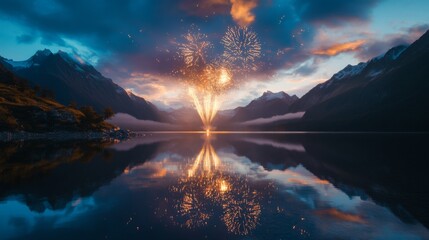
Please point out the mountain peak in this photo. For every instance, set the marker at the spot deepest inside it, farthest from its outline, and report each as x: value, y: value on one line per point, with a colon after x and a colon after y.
x: 391, y: 54
x: 268, y: 95
x: 40, y: 56
x: 350, y: 70
x: 44, y: 52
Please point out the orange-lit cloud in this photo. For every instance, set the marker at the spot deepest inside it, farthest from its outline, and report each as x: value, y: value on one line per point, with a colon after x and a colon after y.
x: 308, y: 182
x: 340, y: 48
x: 241, y: 11
x: 335, y: 213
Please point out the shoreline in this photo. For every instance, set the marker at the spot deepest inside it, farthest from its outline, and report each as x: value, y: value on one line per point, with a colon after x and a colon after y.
x: 65, y: 135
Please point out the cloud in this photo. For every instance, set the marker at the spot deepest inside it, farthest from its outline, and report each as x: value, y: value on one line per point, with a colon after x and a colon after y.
x: 334, y: 13
x: 241, y: 11
x: 377, y: 46
x: 133, y: 36
x: 342, y: 216
x: 338, y: 48
x: 26, y: 38
x: 287, y: 116
x: 158, y: 89
x: 267, y: 142
x: 127, y: 121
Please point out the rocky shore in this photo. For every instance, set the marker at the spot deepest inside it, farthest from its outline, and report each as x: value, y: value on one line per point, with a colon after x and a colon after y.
x: 117, y: 134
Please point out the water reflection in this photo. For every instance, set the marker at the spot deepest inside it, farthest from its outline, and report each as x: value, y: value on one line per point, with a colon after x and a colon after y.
x: 208, y: 186
x: 182, y: 186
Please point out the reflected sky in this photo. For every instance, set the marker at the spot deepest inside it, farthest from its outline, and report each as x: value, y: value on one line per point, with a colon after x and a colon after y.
x: 169, y: 186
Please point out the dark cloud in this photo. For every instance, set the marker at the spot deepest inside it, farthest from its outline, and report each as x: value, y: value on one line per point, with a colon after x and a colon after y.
x: 26, y: 38
x: 306, y: 69
x: 334, y: 12
x: 139, y: 36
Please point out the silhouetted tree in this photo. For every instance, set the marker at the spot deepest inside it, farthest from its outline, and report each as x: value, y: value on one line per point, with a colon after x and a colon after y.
x: 47, y: 94
x: 108, y: 113
x: 73, y: 104
x: 36, y: 89
x: 22, y: 85
x: 91, y: 116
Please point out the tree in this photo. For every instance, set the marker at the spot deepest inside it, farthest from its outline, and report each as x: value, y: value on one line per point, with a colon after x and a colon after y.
x: 47, y: 94
x: 73, y: 104
x: 91, y: 116
x: 37, y: 89
x: 108, y: 113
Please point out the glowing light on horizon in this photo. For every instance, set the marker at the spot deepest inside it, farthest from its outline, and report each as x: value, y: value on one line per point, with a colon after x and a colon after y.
x: 209, y: 78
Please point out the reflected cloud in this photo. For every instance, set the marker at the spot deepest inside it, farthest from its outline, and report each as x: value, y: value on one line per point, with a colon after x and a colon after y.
x: 268, y: 142
x: 219, y: 186
x: 343, y: 216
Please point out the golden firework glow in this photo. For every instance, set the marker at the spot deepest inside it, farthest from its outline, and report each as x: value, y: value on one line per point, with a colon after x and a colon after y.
x: 209, y: 78
x: 206, y: 186
x: 194, y: 50
x: 207, y: 157
x: 225, y: 76
x: 206, y: 105
x: 223, y: 186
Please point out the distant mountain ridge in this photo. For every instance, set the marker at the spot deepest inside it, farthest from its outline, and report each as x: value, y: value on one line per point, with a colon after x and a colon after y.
x: 75, y: 81
x: 268, y: 105
x: 348, y: 78
x: 394, y: 99
x: 386, y: 93
x: 23, y: 108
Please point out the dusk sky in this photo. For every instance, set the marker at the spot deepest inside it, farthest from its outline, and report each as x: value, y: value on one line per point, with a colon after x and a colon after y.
x: 303, y: 42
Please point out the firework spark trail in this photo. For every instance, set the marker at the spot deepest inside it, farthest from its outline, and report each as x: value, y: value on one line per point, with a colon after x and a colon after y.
x: 206, y: 106
x: 210, y: 160
x: 195, y: 49
x: 209, y: 79
x: 241, y: 47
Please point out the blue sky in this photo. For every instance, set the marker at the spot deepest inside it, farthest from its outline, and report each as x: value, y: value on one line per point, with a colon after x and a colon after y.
x: 304, y: 42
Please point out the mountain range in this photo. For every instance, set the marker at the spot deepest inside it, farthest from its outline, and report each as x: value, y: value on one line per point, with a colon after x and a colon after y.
x: 76, y: 82
x: 268, y: 105
x: 386, y: 93
x: 23, y: 108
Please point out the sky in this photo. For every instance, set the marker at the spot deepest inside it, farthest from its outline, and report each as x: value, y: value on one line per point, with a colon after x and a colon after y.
x: 137, y: 42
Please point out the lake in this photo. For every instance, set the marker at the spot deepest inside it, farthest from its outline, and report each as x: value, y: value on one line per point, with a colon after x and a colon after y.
x: 222, y: 186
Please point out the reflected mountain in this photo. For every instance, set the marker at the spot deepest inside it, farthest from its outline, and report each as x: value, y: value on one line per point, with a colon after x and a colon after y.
x: 222, y: 186
x: 388, y: 168
x: 58, y: 172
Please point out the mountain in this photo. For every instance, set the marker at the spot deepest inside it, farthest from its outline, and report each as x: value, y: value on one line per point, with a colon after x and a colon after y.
x: 389, y: 94
x: 348, y: 78
x: 268, y: 105
x: 75, y: 81
x: 24, y: 109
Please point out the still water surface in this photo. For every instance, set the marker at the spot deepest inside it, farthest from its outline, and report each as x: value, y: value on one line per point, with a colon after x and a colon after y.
x: 225, y: 186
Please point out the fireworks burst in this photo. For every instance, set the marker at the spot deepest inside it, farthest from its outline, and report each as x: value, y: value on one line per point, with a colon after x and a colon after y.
x: 241, y: 210
x: 242, y: 47
x: 194, y: 50
x: 208, y: 78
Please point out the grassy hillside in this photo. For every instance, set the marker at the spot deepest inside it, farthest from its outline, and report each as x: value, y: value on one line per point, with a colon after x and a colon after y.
x: 25, y: 109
